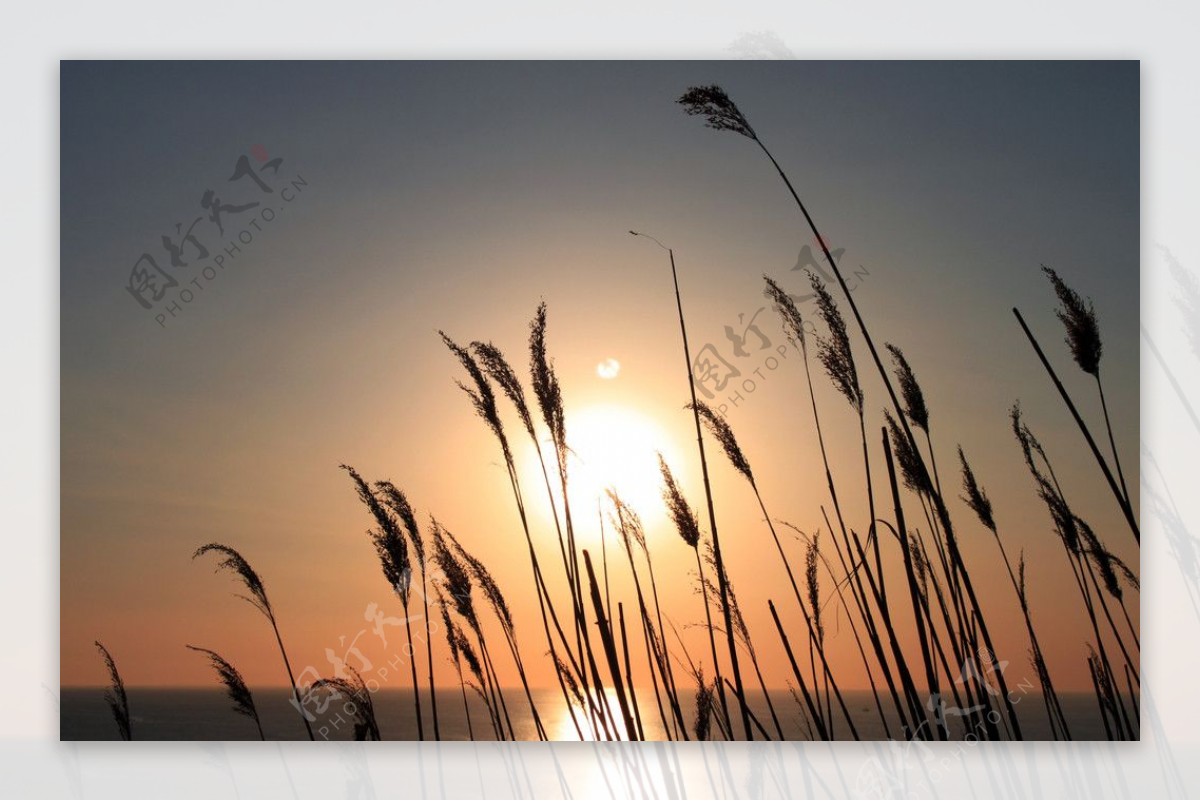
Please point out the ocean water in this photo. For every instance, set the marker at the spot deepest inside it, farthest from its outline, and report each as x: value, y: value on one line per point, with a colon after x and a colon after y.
x: 207, y: 714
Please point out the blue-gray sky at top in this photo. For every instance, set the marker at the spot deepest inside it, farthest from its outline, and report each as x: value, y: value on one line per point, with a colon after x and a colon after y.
x: 455, y: 196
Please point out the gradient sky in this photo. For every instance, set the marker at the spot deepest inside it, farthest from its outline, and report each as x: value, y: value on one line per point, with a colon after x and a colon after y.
x: 456, y: 196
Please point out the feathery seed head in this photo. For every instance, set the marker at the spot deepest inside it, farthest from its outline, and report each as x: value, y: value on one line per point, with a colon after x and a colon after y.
x: 682, y: 514
x: 235, y: 563
x: 976, y: 498
x: 398, y: 503
x: 914, y: 398
x: 812, y: 557
x: 235, y: 685
x: 722, y: 433
x: 545, y: 383
x: 785, y: 307
x: 500, y: 371
x: 387, y: 538
x: 491, y: 590
x: 1079, y: 318
x: 718, y: 110
x: 834, y: 352
x: 454, y: 575
x: 483, y: 399
x: 115, y: 696
x: 705, y: 696
x: 911, y: 466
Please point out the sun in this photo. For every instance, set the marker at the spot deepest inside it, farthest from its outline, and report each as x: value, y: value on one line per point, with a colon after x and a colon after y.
x: 611, y: 446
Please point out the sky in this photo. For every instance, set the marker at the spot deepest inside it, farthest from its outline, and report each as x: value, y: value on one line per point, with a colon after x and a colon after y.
x: 413, y: 197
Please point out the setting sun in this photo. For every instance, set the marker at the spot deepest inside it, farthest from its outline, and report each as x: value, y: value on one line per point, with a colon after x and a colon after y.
x: 612, y: 446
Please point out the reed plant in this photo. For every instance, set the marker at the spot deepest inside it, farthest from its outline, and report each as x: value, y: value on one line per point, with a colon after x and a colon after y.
x: 115, y: 696
x: 235, y: 687
x: 234, y: 562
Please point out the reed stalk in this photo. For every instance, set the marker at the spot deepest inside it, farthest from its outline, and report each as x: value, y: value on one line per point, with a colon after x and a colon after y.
x: 722, y: 579
x: 1122, y: 501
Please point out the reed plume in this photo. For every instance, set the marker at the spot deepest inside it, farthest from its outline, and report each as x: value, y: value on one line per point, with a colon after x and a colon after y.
x: 785, y: 307
x: 910, y: 390
x: 834, y: 351
x: 499, y: 370
x: 545, y: 384
x: 392, y: 549
x: 398, y: 503
x: 483, y: 399
x: 689, y: 531
x: 812, y: 555
x: 720, y: 430
x: 360, y: 707
x: 976, y: 498
x: 1079, y: 319
x: 915, y: 478
x: 719, y: 112
x: 1083, y: 338
x: 235, y: 687
x: 568, y: 678
x: 114, y: 696
x: 681, y: 512
x: 915, y: 408
x: 235, y: 563
x: 704, y: 707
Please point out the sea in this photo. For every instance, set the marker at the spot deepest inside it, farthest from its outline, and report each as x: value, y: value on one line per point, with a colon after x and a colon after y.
x: 207, y: 714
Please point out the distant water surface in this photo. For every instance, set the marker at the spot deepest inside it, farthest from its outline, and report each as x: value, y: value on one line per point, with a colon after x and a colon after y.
x: 206, y: 714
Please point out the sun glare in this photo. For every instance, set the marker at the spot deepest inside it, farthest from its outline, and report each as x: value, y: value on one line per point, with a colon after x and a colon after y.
x: 612, y: 446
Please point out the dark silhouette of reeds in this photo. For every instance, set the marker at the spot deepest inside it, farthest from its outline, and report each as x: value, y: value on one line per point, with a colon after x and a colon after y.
x: 114, y: 696
x: 550, y: 400
x: 460, y: 651
x: 743, y: 635
x: 632, y: 537
x: 610, y: 651
x: 721, y: 431
x: 397, y: 501
x: 1122, y: 500
x: 549, y: 396
x: 722, y: 578
x: 458, y: 586
x: 1087, y: 556
x: 1083, y: 337
x: 392, y: 549
x: 360, y: 706
x: 233, y: 561
x: 688, y: 527
x: 235, y: 687
x: 495, y: 598
x: 721, y: 113
x: 979, y: 503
